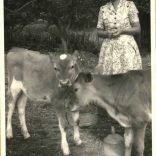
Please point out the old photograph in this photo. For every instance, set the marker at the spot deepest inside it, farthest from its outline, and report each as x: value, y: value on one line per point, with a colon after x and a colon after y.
x: 77, y: 77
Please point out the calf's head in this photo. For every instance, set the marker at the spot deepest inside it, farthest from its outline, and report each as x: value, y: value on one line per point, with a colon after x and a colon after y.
x: 84, y: 89
x: 66, y: 68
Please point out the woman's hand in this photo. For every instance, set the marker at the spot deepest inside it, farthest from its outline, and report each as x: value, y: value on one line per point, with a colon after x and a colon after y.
x: 117, y: 33
x: 114, y: 33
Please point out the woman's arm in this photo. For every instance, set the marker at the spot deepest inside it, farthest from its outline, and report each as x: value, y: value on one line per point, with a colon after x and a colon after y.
x: 101, y: 27
x: 102, y: 33
x: 115, y: 32
x: 135, y: 29
x: 134, y: 20
x: 105, y: 34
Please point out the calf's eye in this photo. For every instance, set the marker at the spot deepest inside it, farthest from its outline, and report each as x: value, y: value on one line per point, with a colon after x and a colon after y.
x: 56, y: 69
x: 72, y: 66
x: 76, y: 89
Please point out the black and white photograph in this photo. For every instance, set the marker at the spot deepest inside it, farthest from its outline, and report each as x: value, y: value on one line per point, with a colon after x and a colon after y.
x: 77, y: 77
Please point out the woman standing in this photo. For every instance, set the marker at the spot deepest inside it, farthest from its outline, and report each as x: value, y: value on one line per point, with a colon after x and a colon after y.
x: 117, y: 23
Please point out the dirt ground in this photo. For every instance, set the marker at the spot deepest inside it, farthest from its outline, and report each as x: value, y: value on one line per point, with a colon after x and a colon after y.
x: 45, y: 136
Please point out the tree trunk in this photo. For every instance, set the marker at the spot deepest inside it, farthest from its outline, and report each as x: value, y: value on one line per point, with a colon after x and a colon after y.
x: 63, y: 36
x: 64, y: 44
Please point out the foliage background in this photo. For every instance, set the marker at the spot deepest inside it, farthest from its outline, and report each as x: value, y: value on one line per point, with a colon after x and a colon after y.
x: 62, y: 25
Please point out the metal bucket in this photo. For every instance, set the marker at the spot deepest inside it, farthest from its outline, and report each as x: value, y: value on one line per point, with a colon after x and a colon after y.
x: 114, y: 144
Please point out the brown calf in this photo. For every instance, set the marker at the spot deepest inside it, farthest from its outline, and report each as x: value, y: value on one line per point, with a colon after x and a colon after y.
x: 126, y: 98
x: 41, y: 78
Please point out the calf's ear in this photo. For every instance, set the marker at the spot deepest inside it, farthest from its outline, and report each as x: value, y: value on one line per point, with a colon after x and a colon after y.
x: 98, y: 69
x: 52, y: 57
x: 88, y: 77
x: 76, y: 55
x: 84, y: 77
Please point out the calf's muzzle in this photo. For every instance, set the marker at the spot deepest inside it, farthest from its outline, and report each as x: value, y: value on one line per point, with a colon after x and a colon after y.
x: 63, y: 83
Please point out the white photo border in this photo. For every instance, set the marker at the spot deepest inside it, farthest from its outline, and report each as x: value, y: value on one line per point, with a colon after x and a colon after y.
x: 2, y: 78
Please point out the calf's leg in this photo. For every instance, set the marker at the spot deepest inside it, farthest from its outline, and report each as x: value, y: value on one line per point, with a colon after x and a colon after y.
x: 21, y: 111
x: 139, y: 136
x: 62, y: 127
x: 128, y: 136
x: 14, y: 93
x: 75, y: 116
x: 11, y: 107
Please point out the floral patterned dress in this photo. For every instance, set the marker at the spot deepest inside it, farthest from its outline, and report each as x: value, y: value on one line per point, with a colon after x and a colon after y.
x: 120, y: 54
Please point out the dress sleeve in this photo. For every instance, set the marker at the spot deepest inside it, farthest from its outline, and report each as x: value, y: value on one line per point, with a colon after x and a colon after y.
x: 100, y: 23
x: 133, y: 12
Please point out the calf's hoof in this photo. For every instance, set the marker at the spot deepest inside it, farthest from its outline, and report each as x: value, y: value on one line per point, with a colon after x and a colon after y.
x: 78, y: 142
x: 26, y: 136
x: 66, y: 151
x: 66, y: 154
x: 9, y: 134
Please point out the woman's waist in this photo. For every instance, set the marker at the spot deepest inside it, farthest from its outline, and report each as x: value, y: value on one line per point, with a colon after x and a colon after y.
x: 122, y: 38
x: 125, y: 37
